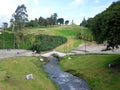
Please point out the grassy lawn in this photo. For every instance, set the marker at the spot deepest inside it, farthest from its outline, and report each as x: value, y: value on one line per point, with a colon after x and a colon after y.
x: 94, y: 69
x: 12, y: 73
x: 68, y: 31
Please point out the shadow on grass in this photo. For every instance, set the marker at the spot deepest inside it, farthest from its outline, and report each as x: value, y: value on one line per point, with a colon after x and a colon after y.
x: 74, y: 73
x: 115, y: 65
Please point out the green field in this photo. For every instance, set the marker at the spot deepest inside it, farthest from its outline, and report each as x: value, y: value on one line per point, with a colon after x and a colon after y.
x: 94, y: 69
x: 13, y: 71
x: 68, y: 31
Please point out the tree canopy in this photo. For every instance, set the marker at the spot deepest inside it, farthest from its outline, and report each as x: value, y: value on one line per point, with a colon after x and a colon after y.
x: 60, y: 21
x: 19, y: 17
x: 66, y: 22
x: 105, y: 26
x: 18, y: 20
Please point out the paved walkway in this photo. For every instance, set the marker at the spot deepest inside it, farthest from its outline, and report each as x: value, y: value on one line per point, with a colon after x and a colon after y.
x: 92, y: 48
x: 81, y: 49
x: 6, y: 53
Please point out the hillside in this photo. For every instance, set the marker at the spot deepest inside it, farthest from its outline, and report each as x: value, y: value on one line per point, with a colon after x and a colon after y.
x: 68, y: 31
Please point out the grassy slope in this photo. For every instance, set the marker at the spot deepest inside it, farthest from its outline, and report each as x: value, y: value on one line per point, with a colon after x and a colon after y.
x: 93, y: 68
x: 6, y: 40
x: 16, y: 68
x: 69, y: 31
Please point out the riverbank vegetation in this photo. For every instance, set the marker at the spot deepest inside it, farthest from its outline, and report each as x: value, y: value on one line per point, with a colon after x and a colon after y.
x: 28, y: 37
x: 94, y: 69
x: 105, y: 26
x: 13, y: 71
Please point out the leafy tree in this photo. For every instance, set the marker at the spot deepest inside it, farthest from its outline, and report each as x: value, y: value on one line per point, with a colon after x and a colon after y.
x: 84, y: 22
x: 54, y: 18
x: 5, y: 25
x: 18, y: 20
x: 60, y: 20
x: 42, y: 21
x: 20, y: 17
x: 49, y: 21
x: 106, y: 26
x: 66, y: 22
x: 32, y: 23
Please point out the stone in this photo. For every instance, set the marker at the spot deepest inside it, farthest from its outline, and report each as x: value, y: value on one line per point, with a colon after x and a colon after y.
x: 28, y: 76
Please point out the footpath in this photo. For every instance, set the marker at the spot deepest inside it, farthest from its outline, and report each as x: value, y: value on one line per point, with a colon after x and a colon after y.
x: 89, y: 48
x: 92, y: 48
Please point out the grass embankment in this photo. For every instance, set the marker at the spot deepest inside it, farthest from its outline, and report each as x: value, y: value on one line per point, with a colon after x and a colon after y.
x: 68, y: 31
x: 94, y: 69
x: 29, y: 34
x: 6, y: 40
x: 13, y: 70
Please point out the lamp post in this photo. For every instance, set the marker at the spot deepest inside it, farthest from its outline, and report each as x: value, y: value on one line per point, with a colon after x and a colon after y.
x: 13, y: 29
x: 3, y: 39
x: 84, y: 39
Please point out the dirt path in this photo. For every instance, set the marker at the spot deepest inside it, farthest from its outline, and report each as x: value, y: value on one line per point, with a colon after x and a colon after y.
x: 6, y: 53
x: 92, y: 48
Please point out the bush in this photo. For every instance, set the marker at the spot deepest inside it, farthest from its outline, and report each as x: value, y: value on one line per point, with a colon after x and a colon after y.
x: 46, y: 42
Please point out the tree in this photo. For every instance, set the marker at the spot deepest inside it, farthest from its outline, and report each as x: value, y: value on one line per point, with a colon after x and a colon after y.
x: 49, y: 21
x: 42, y: 21
x: 32, y: 23
x: 20, y: 17
x: 54, y: 18
x: 66, y: 22
x: 5, y: 25
x: 106, y: 26
x: 18, y: 20
x: 84, y: 22
x: 60, y: 21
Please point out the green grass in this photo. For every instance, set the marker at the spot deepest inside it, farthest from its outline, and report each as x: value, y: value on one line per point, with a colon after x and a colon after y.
x: 94, y: 69
x: 68, y: 31
x: 6, y: 40
x: 12, y: 73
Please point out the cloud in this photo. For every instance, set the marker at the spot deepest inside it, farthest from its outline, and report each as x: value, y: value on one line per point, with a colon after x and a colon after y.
x: 37, y: 12
x: 77, y: 2
x: 97, y: 1
x: 36, y: 2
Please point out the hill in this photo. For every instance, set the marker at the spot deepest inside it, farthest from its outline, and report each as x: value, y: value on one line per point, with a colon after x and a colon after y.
x: 68, y: 31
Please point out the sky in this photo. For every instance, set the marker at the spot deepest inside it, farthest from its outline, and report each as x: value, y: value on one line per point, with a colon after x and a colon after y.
x: 70, y: 10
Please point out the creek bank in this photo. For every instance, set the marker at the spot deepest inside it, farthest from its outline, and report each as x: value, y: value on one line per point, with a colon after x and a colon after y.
x: 65, y: 81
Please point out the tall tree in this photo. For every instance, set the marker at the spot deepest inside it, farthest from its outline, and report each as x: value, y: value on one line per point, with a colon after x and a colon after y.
x: 20, y: 17
x: 42, y: 21
x: 60, y: 21
x: 106, y: 25
x: 5, y: 25
x: 84, y: 22
x: 18, y: 20
x: 54, y: 18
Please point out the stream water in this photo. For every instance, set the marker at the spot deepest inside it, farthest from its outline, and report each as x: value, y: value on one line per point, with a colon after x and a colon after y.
x: 65, y: 80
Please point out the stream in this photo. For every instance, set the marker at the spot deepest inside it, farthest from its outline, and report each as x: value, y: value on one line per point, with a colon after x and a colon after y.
x: 64, y: 80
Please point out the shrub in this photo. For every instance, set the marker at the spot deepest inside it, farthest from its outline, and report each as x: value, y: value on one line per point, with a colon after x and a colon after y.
x: 46, y: 42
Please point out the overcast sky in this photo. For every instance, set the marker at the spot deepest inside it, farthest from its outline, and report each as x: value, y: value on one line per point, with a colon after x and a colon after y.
x: 68, y: 9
